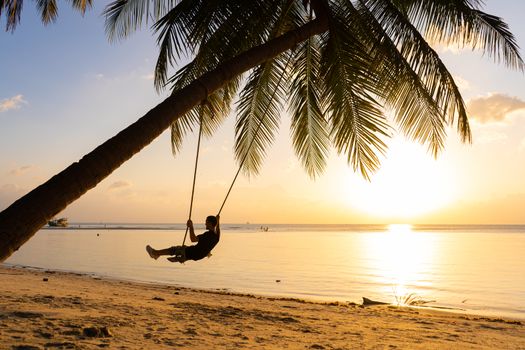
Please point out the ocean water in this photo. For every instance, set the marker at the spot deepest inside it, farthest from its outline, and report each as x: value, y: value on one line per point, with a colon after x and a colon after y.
x: 466, y: 269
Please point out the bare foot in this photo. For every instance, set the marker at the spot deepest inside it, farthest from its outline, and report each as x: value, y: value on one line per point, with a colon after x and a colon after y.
x: 151, y: 252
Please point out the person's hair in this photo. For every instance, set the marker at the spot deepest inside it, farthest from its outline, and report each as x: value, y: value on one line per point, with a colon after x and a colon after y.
x: 212, y: 220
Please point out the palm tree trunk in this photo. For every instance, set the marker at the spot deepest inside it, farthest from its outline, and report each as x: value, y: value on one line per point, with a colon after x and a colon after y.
x: 27, y: 215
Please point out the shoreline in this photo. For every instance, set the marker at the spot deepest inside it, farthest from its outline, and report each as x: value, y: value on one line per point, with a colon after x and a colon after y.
x: 54, y: 309
x: 312, y: 300
x: 275, y: 296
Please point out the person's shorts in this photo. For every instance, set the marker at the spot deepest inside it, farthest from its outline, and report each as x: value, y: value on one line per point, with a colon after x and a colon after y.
x: 178, y: 250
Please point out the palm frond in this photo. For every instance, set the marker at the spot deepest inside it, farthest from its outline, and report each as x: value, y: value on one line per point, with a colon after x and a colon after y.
x: 310, y: 132
x: 48, y: 10
x: 258, y: 117
x: 200, y: 114
x: 172, y: 31
x: 358, y: 125
x: 210, y: 52
x: 218, y: 104
x: 80, y: 5
x: 13, y: 10
x: 175, y: 29
x: 260, y: 101
x: 461, y: 22
x: 418, y: 87
x: 374, y: 56
x: 492, y: 35
x: 219, y: 38
x: 124, y: 17
x: 219, y: 41
x: 181, y: 127
x: 211, y: 113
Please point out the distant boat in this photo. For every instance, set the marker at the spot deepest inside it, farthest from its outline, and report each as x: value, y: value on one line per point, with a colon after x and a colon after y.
x: 62, y: 222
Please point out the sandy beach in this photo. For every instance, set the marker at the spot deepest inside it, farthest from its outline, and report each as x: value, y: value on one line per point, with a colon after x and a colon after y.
x: 55, y: 310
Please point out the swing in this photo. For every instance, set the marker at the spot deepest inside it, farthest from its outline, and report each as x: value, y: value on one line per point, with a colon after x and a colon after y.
x: 175, y: 257
x: 155, y: 254
x: 205, y: 101
x: 234, y: 178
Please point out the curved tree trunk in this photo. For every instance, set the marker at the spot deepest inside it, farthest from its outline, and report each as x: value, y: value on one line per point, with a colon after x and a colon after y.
x: 27, y: 215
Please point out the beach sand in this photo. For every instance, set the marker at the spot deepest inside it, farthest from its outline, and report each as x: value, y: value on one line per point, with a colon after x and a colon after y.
x: 55, y: 310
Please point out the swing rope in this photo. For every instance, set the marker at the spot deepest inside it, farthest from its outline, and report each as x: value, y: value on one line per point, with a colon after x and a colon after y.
x: 255, y: 133
x: 244, y: 156
x: 194, y: 176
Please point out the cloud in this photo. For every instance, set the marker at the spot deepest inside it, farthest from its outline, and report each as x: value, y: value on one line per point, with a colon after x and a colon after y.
x: 11, y: 103
x: 494, y: 107
x: 20, y: 170
x: 147, y: 77
x: 121, y: 190
x: 119, y: 185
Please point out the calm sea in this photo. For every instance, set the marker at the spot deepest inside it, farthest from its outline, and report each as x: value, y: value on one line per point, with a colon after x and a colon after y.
x: 468, y: 269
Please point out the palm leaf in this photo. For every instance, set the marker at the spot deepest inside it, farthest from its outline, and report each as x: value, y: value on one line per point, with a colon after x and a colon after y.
x: 219, y: 38
x: 13, y: 10
x: 461, y: 22
x: 259, y: 102
x: 258, y: 110
x: 48, y: 10
x: 80, y: 5
x: 418, y: 88
x: 492, y: 35
x: 310, y: 135
x: 172, y: 29
x: 357, y: 121
x: 211, y: 113
x: 211, y: 51
x: 124, y: 17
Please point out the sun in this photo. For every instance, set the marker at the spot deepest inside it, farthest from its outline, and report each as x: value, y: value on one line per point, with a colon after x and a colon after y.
x: 410, y: 183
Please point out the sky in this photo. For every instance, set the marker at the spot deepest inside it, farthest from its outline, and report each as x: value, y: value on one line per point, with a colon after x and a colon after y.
x: 64, y: 89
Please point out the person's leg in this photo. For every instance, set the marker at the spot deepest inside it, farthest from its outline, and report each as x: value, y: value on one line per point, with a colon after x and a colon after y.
x: 179, y: 254
x: 154, y: 253
x: 177, y: 258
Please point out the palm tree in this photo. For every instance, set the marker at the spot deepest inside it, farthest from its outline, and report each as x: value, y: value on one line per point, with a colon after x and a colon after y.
x: 341, y: 65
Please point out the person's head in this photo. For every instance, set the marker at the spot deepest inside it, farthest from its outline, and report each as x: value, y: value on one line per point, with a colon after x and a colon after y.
x: 211, y: 222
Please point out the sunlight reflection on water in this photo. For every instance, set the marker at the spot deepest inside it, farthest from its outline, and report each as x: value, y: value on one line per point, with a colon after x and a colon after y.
x: 400, y: 258
x: 476, y: 271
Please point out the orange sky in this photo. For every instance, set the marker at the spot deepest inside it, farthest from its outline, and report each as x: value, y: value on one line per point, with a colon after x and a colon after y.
x: 54, y: 112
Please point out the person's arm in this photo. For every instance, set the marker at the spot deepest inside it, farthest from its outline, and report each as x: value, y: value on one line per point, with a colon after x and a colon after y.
x: 193, y: 238
x: 218, y: 228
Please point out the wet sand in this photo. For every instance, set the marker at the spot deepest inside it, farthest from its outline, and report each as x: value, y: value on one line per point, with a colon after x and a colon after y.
x: 55, y: 310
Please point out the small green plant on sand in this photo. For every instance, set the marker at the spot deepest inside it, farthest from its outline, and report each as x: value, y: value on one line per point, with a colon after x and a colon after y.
x: 410, y: 299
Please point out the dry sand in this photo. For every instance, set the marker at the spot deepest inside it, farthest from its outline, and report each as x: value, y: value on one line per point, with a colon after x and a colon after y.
x: 54, y: 310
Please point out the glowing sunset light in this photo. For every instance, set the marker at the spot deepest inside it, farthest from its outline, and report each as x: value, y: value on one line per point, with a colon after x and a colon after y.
x: 399, y: 257
x: 53, y: 121
x: 409, y: 183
